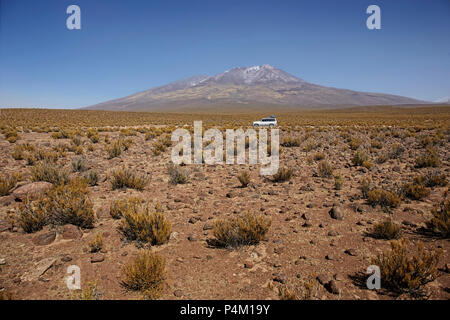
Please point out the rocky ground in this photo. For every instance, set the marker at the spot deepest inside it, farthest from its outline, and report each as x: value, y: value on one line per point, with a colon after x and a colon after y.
x: 304, y: 242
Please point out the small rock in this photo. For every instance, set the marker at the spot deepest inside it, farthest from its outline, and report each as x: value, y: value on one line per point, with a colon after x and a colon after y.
x: 333, y: 233
x: 44, y: 239
x: 2, y: 262
x: 280, y: 277
x: 192, y: 237
x: 178, y: 293
x: 66, y: 258
x: 71, y: 232
x: 330, y: 257
x: 336, y: 212
x: 332, y: 287
x: 208, y: 226
x: 323, y: 279
x: 248, y: 265
x: 98, y: 257
x: 351, y: 252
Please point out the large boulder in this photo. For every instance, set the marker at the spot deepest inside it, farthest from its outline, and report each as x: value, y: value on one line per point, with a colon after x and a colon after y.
x: 32, y: 190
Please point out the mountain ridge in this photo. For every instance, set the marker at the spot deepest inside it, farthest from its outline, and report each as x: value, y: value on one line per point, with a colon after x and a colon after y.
x: 263, y: 84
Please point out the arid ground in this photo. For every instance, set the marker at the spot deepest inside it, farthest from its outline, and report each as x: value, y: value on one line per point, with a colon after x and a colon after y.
x: 348, y: 172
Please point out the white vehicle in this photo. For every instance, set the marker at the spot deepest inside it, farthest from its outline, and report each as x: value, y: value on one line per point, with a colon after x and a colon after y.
x: 268, y: 122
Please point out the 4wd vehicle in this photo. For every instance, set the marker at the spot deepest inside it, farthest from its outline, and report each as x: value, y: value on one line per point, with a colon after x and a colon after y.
x: 270, y: 122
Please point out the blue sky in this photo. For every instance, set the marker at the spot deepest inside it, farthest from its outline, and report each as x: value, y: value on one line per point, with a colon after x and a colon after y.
x: 128, y: 46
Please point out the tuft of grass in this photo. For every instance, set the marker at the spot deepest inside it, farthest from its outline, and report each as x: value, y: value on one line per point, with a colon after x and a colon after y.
x: 118, y: 207
x: 78, y: 165
x: 384, y: 198
x: 338, y: 182
x: 8, y: 182
x: 290, y: 142
x: 429, y: 159
x: 387, y: 230
x: 89, y: 293
x: 62, y: 204
x: 432, y: 179
x: 145, y: 273
x: 49, y: 172
x: 248, y: 229
x: 91, y: 178
x: 244, y: 178
x: 177, y: 175
x: 283, y: 174
x: 439, y: 224
x: 359, y: 157
x: 96, y: 244
x: 407, y: 272
x: 125, y: 178
x: 325, y: 169
x: 139, y: 224
x: 415, y: 191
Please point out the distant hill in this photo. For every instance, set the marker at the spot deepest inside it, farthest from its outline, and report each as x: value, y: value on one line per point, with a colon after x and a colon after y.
x: 251, y: 86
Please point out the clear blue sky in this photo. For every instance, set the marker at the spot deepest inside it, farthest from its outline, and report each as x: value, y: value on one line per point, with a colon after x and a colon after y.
x: 129, y: 46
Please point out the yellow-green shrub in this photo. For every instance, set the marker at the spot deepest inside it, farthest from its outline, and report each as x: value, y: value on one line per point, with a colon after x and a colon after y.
x: 145, y: 273
x: 246, y: 230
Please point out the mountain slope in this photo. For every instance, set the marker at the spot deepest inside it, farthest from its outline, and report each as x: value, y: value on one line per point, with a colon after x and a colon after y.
x: 255, y: 85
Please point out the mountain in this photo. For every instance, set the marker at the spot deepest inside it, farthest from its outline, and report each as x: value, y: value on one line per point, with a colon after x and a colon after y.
x: 445, y: 100
x: 258, y: 85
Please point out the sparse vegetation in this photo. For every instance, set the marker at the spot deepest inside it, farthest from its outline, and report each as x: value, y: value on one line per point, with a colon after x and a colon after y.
x: 405, y: 272
x: 126, y: 178
x: 139, y: 224
x: 283, y: 174
x: 244, y: 178
x: 145, y: 273
x: 439, y: 224
x: 8, y: 182
x: 49, y: 172
x: 246, y: 230
x: 325, y: 169
x: 387, y: 230
x: 177, y: 175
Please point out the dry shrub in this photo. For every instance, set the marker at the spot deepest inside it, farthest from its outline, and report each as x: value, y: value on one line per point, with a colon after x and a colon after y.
x: 355, y: 143
x: 126, y: 178
x: 11, y: 135
x: 387, y: 230
x: 177, y: 175
x: 244, y: 178
x: 145, y: 273
x: 306, y: 290
x: 246, y: 230
x: 338, y: 182
x: 283, y: 174
x: 432, y: 179
x: 396, y: 151
x: 31, y: 217
x: 96, y: 244
x: 49, y: 172
x: 8, y: 182
x: 415, y: 191
x: 407, y: 272
x: 325, y: 169
x: 62, y: 204
x: 91, y: 177
x: 118, y: 207
x: 139, y: 224
x: 158, y: 148
x: 359, y: 158
x: 116, y: 148
x: 384, y: 198
x: 439, y: 224
x: 89, y: 293
x: 78, y: 165
x: 319, y: 156
x: 21, y: 150
x: 429, y: 159
x: 290, y: 142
